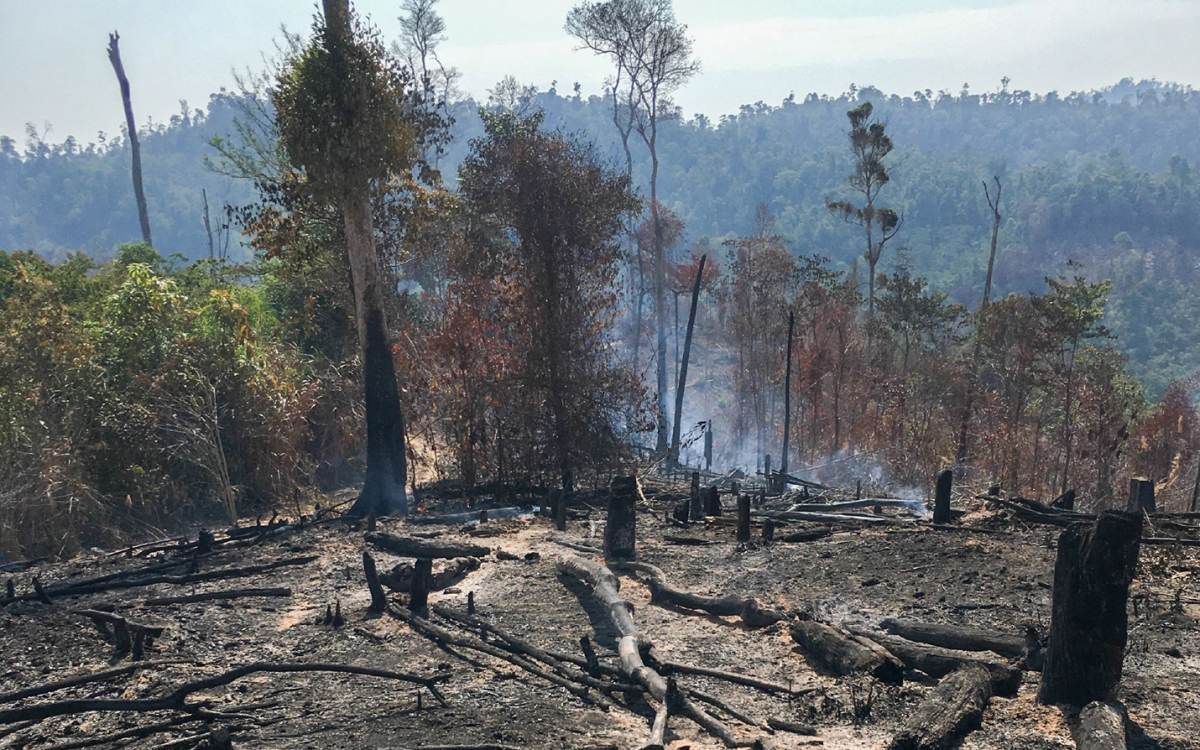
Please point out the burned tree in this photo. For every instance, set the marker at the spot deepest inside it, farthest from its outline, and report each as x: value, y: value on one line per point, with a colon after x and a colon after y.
x: 135, y: 148
x: 549, y: 214
x: 1088, y: 625
x: 673, y: 457
x: 341, y: 112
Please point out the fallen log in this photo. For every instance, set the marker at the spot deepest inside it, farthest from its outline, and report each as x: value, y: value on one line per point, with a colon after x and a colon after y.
x: 953, y: 709
x: 938, y: 662
x: 956, y: 637
x: 843, y: 654
x: 177, y: 699
x: 605, y: 587
x: 1101, y: 727
x: 83, y: 679
x: 748, y: 609
x: 402, y: 546
x: 439, y: 634
x: 215, y: 595
x: 806, y: 535
x: 833, y: 518
x: 674, y: 667
x: 399, y: 578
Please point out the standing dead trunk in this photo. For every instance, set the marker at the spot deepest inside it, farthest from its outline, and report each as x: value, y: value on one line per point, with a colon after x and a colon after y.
x: 681, y: 384
x: 1088, y: 625
x: 1141, y: 496
x: 743, y: 524
x: 387, y: 469
x: 960, y: 458
x: 787, y: 402
x: 114, y: 57
x: 941, y: 502
x: 620, y: 533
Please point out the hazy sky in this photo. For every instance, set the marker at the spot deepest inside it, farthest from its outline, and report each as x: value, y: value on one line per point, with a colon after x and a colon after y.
x: 751, y: 50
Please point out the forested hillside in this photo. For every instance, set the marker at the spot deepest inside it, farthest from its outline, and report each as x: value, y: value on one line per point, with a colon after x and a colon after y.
x: 1104, y: 178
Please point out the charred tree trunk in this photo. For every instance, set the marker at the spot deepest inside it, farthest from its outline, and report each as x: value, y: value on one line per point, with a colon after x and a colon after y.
x: 953, y: 709
x: 1088, y: 625
x: 743, y: 525
x: 941, y: 503
x: 712, y: 501
x: 418, y: 602
x: 843, y: 654
x: 620, y: 533
x: 681, y: 384
x: 114, y: 57
x: 787, y: 403
x: 387, y: 469
x: 1141, y: 496
x: 695, y: 502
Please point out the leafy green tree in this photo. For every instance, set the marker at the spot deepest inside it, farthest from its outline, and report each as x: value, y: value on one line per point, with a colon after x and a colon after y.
x: 342, y: 117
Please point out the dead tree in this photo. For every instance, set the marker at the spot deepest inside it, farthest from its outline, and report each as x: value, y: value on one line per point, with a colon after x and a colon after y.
x: 787, y: 404
x: 953, y: 709
x: 1141, y: 496
x: 620, y: 533
x: 673, y: 458
x: 1088, y: 622
x: 941, y: 503
x: 712, y: 501
x: 743, y: 520
x: 114, y: 57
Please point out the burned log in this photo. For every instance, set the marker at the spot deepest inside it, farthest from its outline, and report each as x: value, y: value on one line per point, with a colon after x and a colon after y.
x: 843, y: 654
x: 748, y: 609
x: 954, y: 708
x: 620, y: 533
x: 128, y: 637
x: 1101, y: 727
x: 399, y: 578
x: 938, y: 662
x: 806, y: 535
x: 1088, y: 622
x: 209, y: 596
x: 422, y: 548
x: 956, y: 637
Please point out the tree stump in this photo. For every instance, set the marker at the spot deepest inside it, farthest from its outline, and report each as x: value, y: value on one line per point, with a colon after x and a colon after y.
x: 743, y: 525
x: 1088, y: 623
x: 695, y: 502
x: 378, y: 599
x: 418, y: 601
x: 768, y: 530
x: 1065, y: 501
x: 1141, y: 496
x: 712, y: 501
x: 560, y: 510
x: 620, y: 534
x: 941, y: 502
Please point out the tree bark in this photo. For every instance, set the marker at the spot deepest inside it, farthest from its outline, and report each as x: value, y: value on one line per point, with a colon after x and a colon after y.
x: 681, y: 384
x: 1088, y: 622
x: 620, y: 533
x: 842, y: 654
x: 387, y: 469
x: 941, y: 506
x: 787, y: 404
x: 953, y: 709
x: 114, y: 57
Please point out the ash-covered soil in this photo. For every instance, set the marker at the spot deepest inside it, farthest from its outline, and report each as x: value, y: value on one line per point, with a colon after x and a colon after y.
x: 996, y: 576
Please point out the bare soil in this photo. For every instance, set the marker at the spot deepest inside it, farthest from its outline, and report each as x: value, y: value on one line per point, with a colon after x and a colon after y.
x: 997, y: 576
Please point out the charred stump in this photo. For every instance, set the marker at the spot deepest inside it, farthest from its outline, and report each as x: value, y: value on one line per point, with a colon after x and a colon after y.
x: 418, y: 601
x: 941, y: 502
x: 620, y: 533
x: 743, y: 525
x: 695, y: 502
x: 1088, y: 624
x: 378, y: 598
x: 712, y: 501
x: 1141, y: 496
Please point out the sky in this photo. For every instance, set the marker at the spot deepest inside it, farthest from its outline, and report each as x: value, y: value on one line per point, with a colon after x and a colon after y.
x: 750, y: 50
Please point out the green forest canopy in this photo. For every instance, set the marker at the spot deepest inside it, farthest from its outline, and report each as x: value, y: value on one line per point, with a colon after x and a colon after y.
x: 1104, y: 178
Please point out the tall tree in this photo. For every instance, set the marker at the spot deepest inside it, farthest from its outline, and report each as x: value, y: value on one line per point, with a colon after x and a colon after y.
x: 654, y: 50
x: 422, y: 29
x: 114, y: 57
x: 681, y: 384
x: 553, y: 214
x: 342, y: 117
x: 870, y: 145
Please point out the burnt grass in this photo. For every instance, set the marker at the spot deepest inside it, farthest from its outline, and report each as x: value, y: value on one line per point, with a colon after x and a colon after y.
x: 995, y: 573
